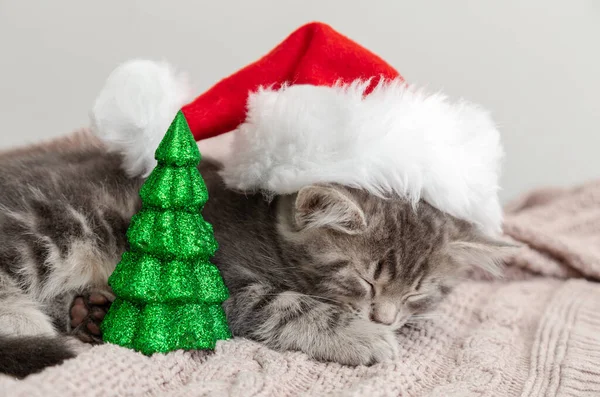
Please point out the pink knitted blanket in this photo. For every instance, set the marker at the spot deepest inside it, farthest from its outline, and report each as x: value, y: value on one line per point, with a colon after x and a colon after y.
x: 534, y: 333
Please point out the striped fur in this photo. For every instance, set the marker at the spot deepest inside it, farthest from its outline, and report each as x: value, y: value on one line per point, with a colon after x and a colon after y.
x: 330, y: 271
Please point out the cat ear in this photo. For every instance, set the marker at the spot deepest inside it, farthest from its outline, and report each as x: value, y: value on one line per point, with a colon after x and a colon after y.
x: 482, y: 252
x: 326, y: 206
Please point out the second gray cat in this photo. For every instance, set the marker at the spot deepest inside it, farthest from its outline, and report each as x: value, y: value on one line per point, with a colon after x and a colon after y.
x: 330, y: 271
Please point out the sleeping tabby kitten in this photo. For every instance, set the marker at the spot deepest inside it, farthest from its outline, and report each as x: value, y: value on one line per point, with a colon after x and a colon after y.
x: 330, y: 271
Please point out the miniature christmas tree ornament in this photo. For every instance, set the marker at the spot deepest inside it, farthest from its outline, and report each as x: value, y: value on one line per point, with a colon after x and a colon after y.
x: 169, y: 294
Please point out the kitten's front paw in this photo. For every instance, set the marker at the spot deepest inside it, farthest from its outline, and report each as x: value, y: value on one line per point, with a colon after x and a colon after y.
x: 363, y: 343
x: 385, y: 348
x: 87, y: 312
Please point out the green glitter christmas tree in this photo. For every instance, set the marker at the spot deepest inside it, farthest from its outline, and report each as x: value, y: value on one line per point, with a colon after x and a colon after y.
x: 168, y: 293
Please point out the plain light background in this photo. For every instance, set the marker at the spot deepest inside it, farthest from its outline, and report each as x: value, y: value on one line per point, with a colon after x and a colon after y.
x: 534, y: 63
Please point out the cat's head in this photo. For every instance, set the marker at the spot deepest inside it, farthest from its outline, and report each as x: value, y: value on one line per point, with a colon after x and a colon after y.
x: 384, y: 258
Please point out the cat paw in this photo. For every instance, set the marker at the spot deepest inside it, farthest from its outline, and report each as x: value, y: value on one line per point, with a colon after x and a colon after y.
x: 87, y: 312
x: 372, y: 347
x: 361, y: 343
x: 383, y: 348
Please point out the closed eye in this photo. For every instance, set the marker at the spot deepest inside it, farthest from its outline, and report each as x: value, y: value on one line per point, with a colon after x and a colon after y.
x: 420, y: 302
x: 415, y: 298
x: 371, y: 287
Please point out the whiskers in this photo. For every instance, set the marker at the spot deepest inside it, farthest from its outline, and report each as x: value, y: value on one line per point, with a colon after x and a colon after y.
x: 417, y: 321
x: 424, y: 316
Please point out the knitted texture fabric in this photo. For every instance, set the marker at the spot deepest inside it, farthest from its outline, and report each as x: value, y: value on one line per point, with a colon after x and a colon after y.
x: 533, y: 333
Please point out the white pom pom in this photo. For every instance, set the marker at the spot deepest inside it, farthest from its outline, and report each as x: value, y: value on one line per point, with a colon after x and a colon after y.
x: 135, y: 108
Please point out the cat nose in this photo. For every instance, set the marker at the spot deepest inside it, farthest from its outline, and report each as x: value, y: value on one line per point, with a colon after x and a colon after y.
x: 383, y: 314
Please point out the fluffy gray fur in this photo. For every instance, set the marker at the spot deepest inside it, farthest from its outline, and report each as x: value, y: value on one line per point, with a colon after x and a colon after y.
x: 330, y: 271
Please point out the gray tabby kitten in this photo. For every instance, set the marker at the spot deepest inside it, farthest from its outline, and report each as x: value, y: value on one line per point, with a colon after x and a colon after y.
x: 329, y: 271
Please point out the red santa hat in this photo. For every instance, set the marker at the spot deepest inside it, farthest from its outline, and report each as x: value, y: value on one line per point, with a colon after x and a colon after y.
x: 318, y: 108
